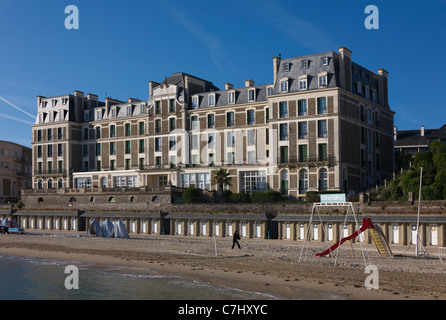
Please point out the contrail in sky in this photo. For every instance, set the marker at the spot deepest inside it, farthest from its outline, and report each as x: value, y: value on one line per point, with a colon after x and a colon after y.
x: 13, y: 105
x: 2, y: 115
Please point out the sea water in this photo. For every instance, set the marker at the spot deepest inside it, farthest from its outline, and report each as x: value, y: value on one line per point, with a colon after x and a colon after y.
x: 42, y: 279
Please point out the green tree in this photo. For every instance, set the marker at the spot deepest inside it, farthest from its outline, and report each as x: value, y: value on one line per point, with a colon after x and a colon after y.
x: 221, y: 177
x: 191, y: 194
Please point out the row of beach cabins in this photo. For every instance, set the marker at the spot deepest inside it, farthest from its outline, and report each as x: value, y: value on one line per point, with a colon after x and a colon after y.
x: 397, y: 229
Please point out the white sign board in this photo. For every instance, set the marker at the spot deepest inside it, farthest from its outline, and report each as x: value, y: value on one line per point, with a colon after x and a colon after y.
x: 333, y: 198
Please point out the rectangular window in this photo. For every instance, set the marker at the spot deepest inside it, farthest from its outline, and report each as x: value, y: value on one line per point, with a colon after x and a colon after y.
x: 158, y: 161
x: 39, y: 152
x: 127, y: 147
x: 251, y: 140
x: 39, y: 135
x: 112, y: 148
x: 50, y: 167
x: 195, y: 124
x: 142, y: 128
x: 98, y: 165
x: 60, y: 150
x: 194, y: 102
x: 127, y: 129
x: 194, y: 142
x: 50, y: 150
x: 270, y: 91
x: 253, y: 181
x: 127, y: 164
x: 142, y: 146
x: 98, y: 149
x: 157, y: 144
x: 283, y: 131
x: 211, y: 100
x: 302, y: 130
x: 211, y: 121
x: 85, y: 150
x: 158, y: 125
x: 97, y: 131
x: 157, y: 107
x: 283, y: 154
x: 230, y: 141
x: 231, y: 97
x: 283, y: 109
x: 303, y: 84
x: 322, y: 128
x: 59, y: 133
x: 60, y: 166
x: 251, y: 95
x: 321, y: 105
x: 129, y: 111
x: 302, y: 107
x: 230, y: 119
x: 172, y: 124
x: 141, y: 163
x: 112, y: 165
x: 284, y: 86
x: 266, y: 115
x: 112, y: 131
x: 322, y: 152
x: 302, y: 153
x: 322, y: 81
x: 211, y: 141
x: 172, y: 107
x: 50, y: 134
x: 250, y: 117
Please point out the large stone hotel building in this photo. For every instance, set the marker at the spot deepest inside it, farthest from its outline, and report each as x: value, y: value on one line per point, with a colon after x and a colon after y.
x: 324, y: 123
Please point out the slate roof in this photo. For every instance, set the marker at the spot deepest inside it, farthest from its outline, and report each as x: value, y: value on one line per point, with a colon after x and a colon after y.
x: 407, y: 138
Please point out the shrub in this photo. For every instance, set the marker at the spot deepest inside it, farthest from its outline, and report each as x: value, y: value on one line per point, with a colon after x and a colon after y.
x: 191, y: 194
x: 270, y: 196
x: 240, y: 198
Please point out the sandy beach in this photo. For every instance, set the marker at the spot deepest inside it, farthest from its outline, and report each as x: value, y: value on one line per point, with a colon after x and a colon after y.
x: 266, y: 266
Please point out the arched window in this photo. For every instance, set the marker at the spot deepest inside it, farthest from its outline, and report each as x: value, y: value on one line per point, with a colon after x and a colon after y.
x: 323, y: 179
x: 40, y: 200
x: 303, y: 181
x: 72, y: 199
x: 104, y: 183
x: 39, y: 184
x: 50, y: 183
x: 132, y: 199
x: 111, y: 199
x: 60, y: 183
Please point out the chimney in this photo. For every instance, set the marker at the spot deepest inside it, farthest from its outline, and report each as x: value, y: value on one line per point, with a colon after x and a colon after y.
x: 276, y: 64
x: 382, y: 87
x: 228, y: 86
x: 91, y: 96
x: 249, y: 83
x: 345, y: 68
x: 395, y: 133
x: 78, y: 94
x: 422, y: 131
x: 186, y: 81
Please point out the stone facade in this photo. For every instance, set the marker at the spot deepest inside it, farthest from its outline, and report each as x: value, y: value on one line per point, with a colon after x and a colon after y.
x: 324, y: 123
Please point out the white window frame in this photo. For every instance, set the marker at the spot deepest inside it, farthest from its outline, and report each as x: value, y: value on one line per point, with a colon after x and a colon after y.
x: 231, y: 97
x: 284, y: 85
x: 303, y: 80
x: 211, y: 100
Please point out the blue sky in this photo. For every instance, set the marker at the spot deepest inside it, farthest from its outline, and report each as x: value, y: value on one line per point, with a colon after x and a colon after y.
x: 121, y: 45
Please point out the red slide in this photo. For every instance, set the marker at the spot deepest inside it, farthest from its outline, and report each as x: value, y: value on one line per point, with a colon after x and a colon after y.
x: 366, y: 223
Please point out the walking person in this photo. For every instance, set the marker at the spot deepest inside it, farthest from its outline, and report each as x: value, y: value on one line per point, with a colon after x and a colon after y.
x: 235, y: 239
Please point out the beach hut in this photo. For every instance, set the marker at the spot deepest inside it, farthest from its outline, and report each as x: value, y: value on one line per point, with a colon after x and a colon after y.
x: 119, y: 229
x: 107, y: 229
x: 94, y: 229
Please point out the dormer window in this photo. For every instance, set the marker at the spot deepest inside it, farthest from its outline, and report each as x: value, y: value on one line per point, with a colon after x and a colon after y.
x: 322, y: 80
x: 113, y: 112
x: 44, y: 103
x: 129, y: 111
x: 54, y: 102
x: 195, y: 102
x: 64, y: 101
x: 286, y: 67
x: 269, y: 91
x: 86, y: 115
x: 142, y: 109
x: 284, y: 85
x: 231, y: 97
x: 211, y: 100
x: 325, y: 61
x: 303, y: 83
x: 99, y: 115
x: 305, y: 64
x: 252, y: 95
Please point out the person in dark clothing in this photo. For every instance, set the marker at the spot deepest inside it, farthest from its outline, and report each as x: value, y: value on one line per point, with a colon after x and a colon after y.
x: 235, y: 240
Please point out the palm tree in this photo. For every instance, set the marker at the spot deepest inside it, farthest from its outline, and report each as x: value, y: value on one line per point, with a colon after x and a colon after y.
x: 221, y: 177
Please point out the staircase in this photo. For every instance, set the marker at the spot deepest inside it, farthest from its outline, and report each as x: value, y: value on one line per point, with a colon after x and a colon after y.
x: 380, y: 241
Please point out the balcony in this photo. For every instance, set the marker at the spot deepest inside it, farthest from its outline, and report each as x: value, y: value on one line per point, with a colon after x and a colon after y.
x: 307, y: 161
